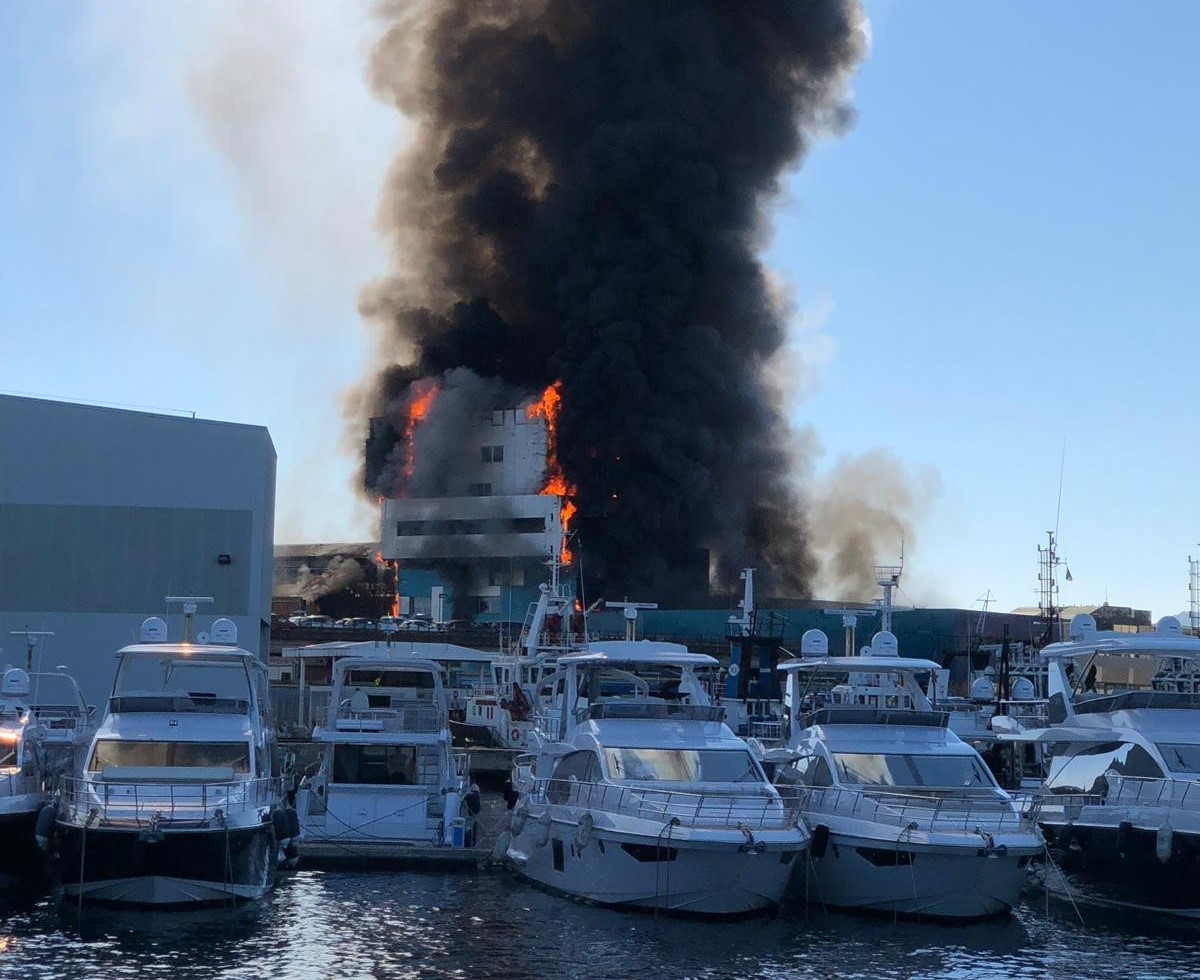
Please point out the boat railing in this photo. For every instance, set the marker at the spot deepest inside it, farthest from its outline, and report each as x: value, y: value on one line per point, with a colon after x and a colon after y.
x: 414, y: 718
x: 767, y: 731
x: 928, y: 812
x: 104, y: 802
x: 462, y: 763
x: 655, y: 710
x: 1129, y: 791
x: 549, y: 722
x: 719, y: 809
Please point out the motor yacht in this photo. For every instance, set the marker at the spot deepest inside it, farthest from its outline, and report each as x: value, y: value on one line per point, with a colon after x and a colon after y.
x: 906, y: 818
x: 388, y: 775
x: 181, y: 797
x: 638, y: 795
x: 43, y: 725
x: 1121, y: 795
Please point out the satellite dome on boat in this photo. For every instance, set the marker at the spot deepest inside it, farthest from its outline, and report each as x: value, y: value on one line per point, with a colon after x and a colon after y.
x: 224, y: 632
x: 14, y: 683
x: 814, y: 644
x: 1082, y: 626
x: 1023, y: 690
x: 1169, y: 626
x: 982, y: 689
x: 154, y: 630
x: 883, y: 644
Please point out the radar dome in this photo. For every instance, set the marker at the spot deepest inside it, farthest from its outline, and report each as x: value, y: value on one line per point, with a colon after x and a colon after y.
x: 883, y: 644
x: 224, y: 632
x: 1023, y: 690
x: 14, y: 683
x: 154, y: 630
x: 982, y: 690
x: 1169, y: 626
x: 1082, y: 626
x: 815, y: 644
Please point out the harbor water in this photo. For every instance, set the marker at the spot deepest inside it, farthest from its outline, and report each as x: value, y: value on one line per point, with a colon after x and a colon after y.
x: 489, y: 924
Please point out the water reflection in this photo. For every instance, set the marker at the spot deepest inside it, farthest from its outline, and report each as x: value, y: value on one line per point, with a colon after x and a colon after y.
x: 489, y: 925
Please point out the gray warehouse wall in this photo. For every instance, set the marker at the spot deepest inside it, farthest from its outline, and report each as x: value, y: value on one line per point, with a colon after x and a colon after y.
x: 104, y: 513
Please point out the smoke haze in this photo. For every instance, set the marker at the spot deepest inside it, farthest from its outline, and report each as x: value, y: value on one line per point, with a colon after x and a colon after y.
x: 585, y: 200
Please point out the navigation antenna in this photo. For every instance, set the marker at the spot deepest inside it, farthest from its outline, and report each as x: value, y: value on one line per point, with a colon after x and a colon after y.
x: 987, y: 599
x: 190, y: 602
x: 887, y: 577
x: 1048, y: 561
x: 1194, y: 593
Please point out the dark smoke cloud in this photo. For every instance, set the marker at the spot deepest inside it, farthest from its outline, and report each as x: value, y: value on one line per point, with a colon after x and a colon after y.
x: 586, y: 200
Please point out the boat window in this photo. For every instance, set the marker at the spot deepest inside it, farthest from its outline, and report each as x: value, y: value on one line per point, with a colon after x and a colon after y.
x: 418, y: 679
x: 375, y: 765
x: 1080, y: 771
x: 172, y: 675
x: 582, y: 767
x: 1180, y: 758
x: 813, y: 770
x: 682, y: 765
x: 930, y: 771
x: 8, y: 754
x: 225, y: 755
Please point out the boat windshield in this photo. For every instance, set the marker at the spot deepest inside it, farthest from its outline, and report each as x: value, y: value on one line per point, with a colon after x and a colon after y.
x: 177, y: 676
x: 117, y: 752
x: 1181, y: 757
x: 683, y: 765
x: 923, y: 771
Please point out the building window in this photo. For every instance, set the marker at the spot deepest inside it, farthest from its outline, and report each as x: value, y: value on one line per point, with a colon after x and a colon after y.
x: 480, y: 490
x: 492, y: 454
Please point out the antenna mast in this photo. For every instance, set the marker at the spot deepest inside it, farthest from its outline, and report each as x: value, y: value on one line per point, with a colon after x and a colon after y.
x: 1194, y: 593
x: 987, y: 599
x: 1048, y: 561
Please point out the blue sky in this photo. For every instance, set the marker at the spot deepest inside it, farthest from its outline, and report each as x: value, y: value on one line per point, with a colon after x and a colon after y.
x: 992, y: 264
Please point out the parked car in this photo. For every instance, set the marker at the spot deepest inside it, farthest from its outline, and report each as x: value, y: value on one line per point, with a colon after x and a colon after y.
x: 356, y: 623
x: 417, y: 625
x: 389, y: 624
x: 297, y: 619
x: 317, y: 622
x: 455, y: 625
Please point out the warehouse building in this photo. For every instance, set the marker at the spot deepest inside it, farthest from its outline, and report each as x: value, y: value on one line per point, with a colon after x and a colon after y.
x: 106, y: 512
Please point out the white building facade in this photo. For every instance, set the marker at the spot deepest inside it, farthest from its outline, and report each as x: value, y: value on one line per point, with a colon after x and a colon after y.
x: 105, y: 512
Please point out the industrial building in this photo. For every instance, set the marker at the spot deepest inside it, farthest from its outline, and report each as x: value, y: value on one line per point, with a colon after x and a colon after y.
x: 105, y: 512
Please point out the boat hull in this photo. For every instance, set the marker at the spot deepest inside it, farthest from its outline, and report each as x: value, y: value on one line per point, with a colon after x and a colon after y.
x: 930, y: 881
x: 22, y: 862
x: 1125, y: 866
x: 174, y: 867
x: 644, y: 872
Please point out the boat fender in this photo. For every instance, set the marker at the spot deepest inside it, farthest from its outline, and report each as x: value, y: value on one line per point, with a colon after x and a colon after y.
x: 820, y: 840
x: 516, y: 822
x: 1164, y: 844
x: 1124, y: 836
x: 541, y: 836
x: 45, y: 826
x: 583, y: 833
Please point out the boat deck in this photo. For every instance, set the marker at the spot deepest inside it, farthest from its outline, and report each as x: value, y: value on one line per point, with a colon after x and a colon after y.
x: 373, y: 855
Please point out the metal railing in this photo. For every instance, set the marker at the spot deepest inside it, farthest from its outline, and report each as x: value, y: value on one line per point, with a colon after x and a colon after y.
x: 160, y: 804
x: 728, y: 809
x: 966, y: 813
x: 1126, y: 791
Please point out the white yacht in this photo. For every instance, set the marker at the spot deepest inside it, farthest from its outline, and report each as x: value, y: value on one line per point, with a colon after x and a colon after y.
x: 639, y: 795
x: 43, y: 725
x: 1121, y: 797
x: 388, y: 779
x: 906, y: 818
x: 180, y: 800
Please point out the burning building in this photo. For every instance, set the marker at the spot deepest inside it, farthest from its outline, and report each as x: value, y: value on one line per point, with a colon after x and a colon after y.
x: 471, y: 491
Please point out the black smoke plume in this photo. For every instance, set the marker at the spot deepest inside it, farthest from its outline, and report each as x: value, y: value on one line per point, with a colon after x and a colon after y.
x: 586, y: 199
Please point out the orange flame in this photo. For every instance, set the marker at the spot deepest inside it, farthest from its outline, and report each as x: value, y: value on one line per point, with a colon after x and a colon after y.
x: 422, y: 395
x: 547, y: 407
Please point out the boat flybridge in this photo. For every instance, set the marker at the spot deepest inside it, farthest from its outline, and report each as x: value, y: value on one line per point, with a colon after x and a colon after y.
x: 388, y: 776
x: 44, y: 724
x: 1121, y: 796
x: 180, y: 800
x: 554, y: 626
x: 639, y: 795
x: 906, y: 818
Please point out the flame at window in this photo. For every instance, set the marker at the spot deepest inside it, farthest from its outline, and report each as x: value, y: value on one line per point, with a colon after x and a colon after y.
x: 547, y: 407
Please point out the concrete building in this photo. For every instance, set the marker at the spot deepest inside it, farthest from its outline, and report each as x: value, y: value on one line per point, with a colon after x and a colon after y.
x: 105, y: 512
